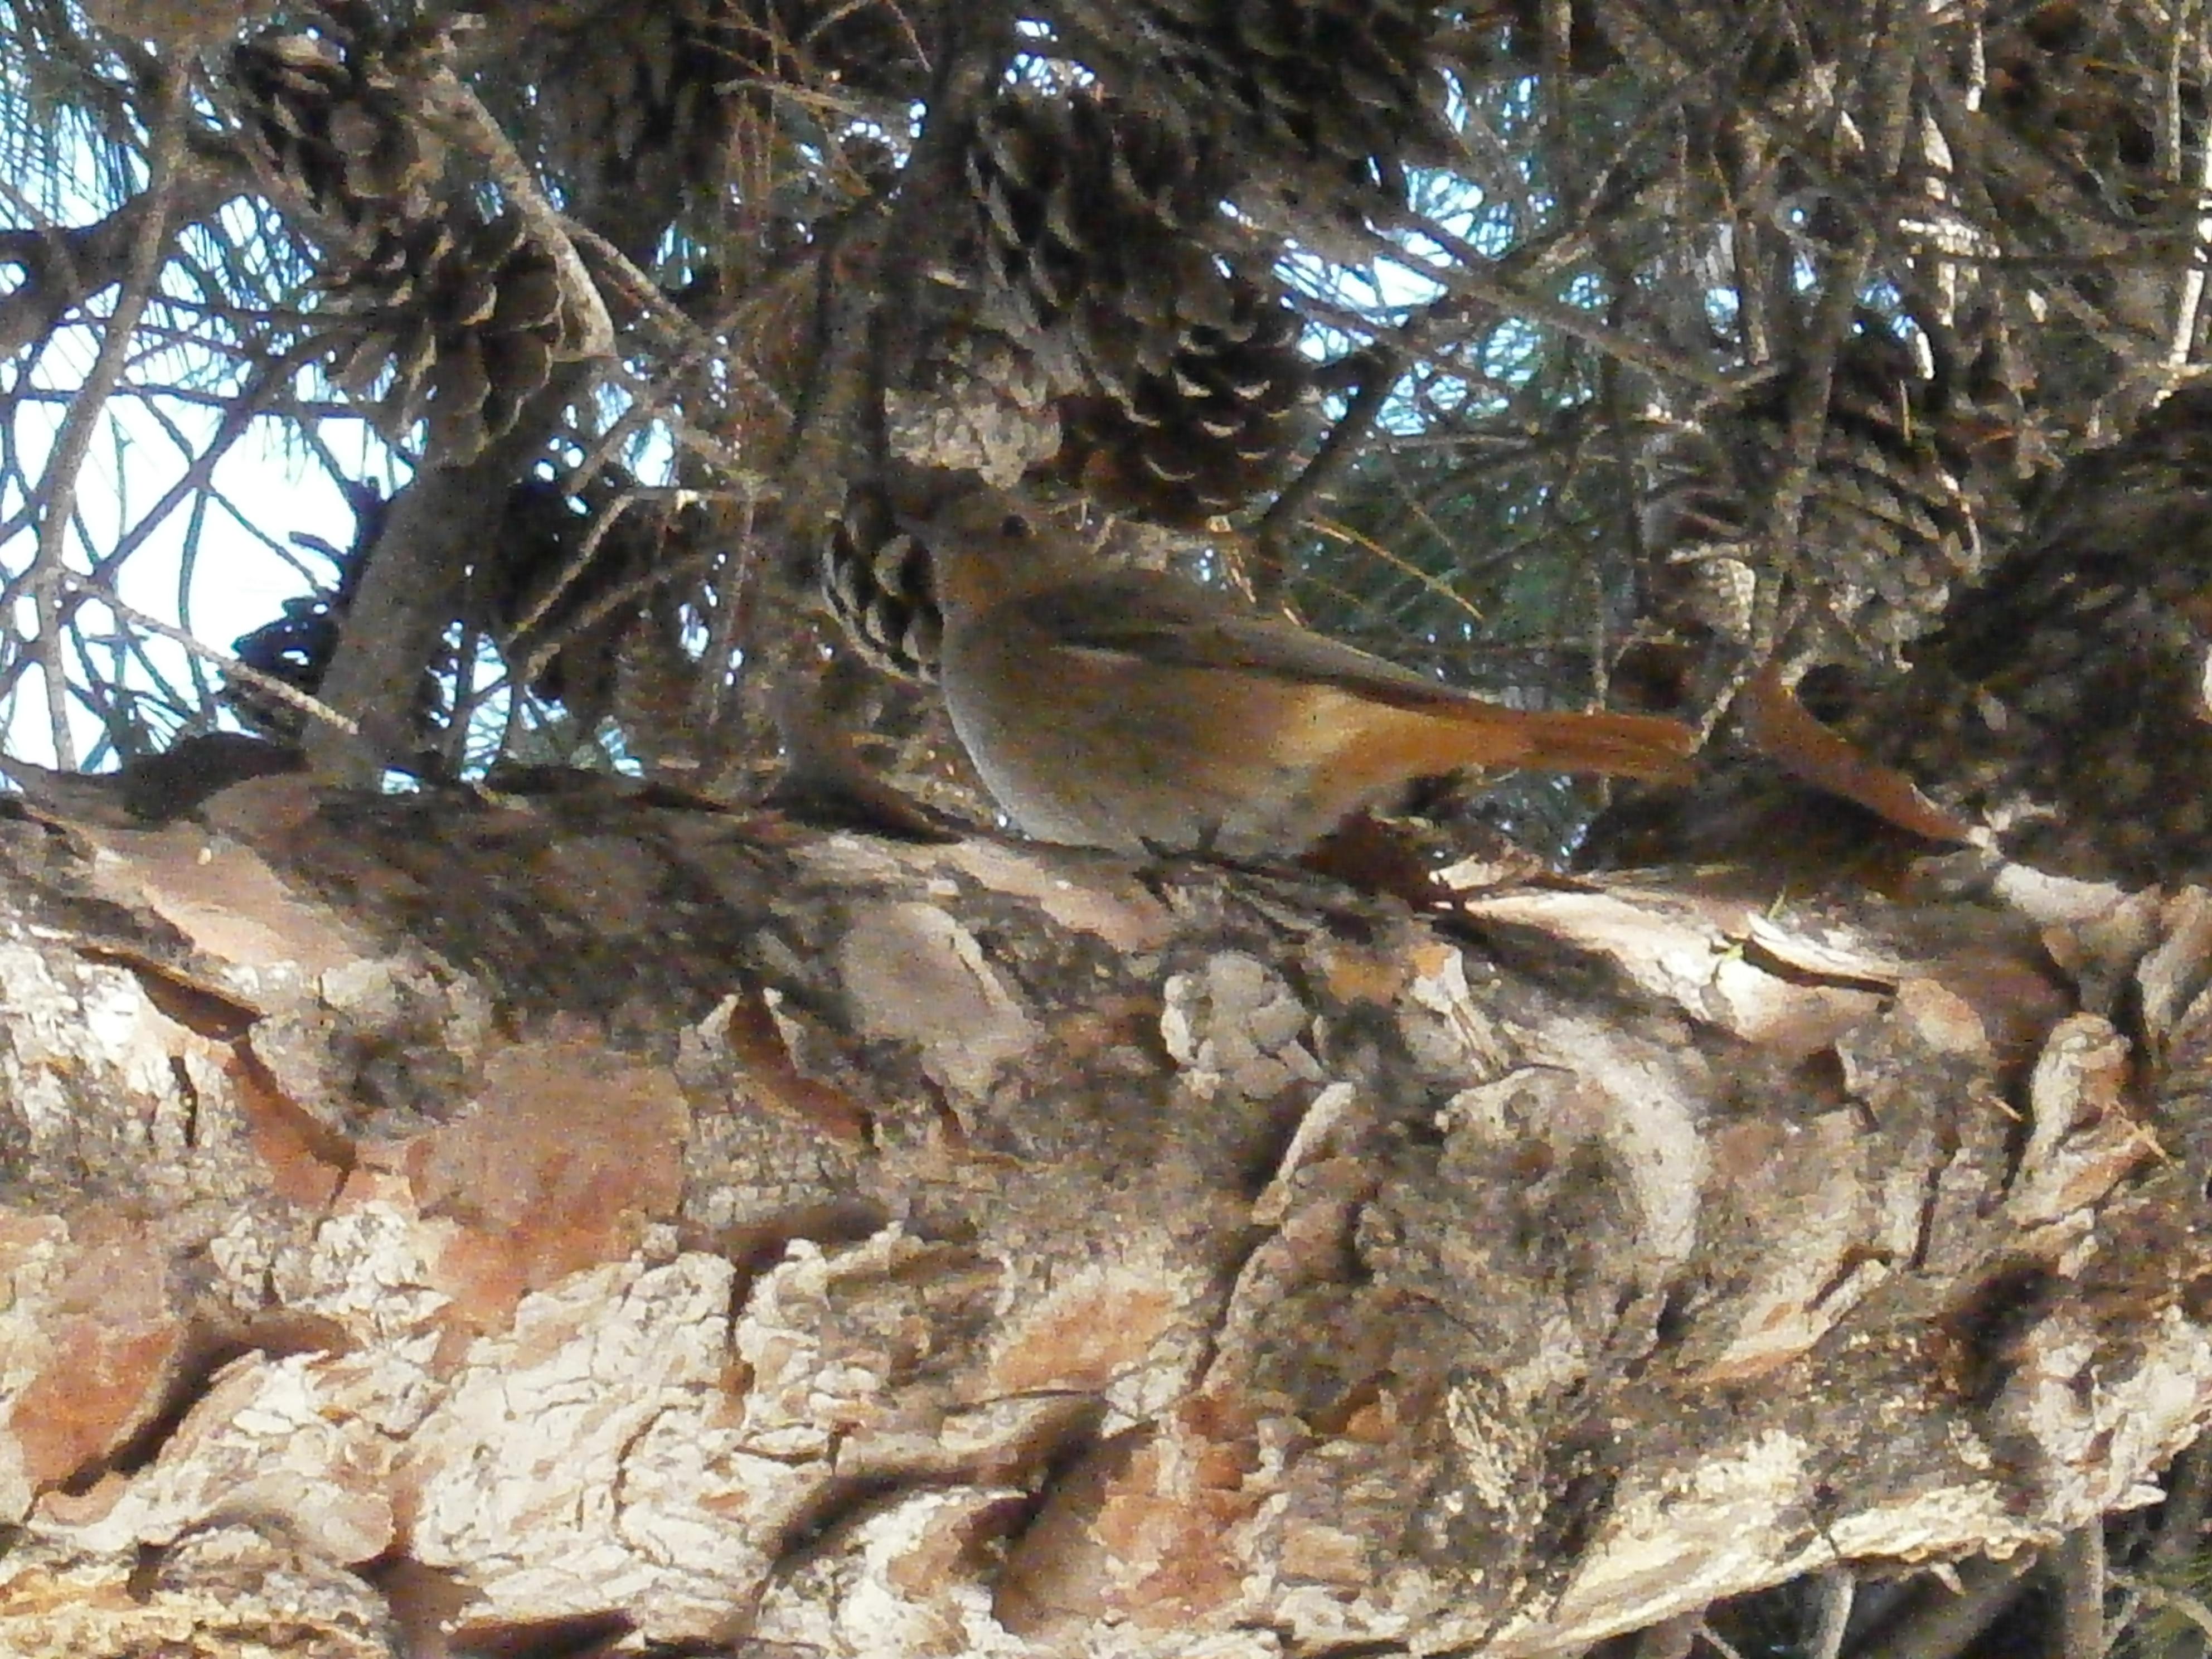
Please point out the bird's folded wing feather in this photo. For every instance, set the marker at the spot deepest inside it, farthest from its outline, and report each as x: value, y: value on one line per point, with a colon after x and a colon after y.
x: 1163, y: 620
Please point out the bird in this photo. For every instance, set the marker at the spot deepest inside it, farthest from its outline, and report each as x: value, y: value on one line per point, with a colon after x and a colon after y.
x: 1135, y: 711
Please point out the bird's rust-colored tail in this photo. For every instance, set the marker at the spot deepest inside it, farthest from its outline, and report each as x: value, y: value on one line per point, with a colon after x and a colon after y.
x: 1404, y: 744
x: 1617, y: 745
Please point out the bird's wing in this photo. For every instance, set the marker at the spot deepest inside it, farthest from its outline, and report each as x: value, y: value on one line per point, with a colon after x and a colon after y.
x: 1165, y: 620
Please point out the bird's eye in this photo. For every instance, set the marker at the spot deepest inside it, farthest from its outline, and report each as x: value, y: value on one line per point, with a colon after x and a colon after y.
x: 1013, y: 526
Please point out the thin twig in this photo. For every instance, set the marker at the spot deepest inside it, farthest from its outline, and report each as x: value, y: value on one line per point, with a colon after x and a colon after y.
x: 2080, y: 1566
x: 244, y: 410
x: 1834, y: 1589
x: 1944, y: 1621
x: 1344, y: 442
x: 1468, y: 278
x: 65, y: 265
x: 698, y: 344
x: 232, y: 667
x: 676, y: 500
x: 2191, y: 297
x: 74, y: 441
x: 605, y: 605
x: 2168, y: 1599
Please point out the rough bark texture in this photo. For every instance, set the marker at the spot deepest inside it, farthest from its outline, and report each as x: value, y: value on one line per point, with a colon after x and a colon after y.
x: 444, y: 1219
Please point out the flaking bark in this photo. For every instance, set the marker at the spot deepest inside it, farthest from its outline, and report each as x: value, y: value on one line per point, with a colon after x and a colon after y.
x: 433, y: 1219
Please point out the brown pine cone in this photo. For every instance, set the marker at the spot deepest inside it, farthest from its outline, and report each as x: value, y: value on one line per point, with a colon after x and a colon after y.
x: 2062, y: 702
x: 471, y: 318
x: 2082, y: 85
x: 564, y: 608
x: 632, y: 106
x: 1890, y: 530
x: 296, y: 648
x: 1220, y: 427
x: 1320, y: 105
x: 1096, y: 221
x: 1100, y: 230
x: 1889, y: 524
x: 877, y: 581
x: 328, y: 126
x: 642, y: 100
x: 1512, y: 32
x: 2064, y: 699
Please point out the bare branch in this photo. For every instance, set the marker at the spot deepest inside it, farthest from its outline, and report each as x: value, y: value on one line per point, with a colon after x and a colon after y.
x: 281, y: 690
x: 64, y: 266
x: 74, y: 441
x: 2080, y: 1567
x: 453, y: 108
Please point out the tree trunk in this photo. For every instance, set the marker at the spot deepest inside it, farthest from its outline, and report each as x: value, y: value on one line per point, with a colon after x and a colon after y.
x: 450, y: 1220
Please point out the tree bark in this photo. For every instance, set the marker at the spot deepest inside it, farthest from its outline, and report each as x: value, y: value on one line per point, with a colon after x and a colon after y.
x: 453, y: 1220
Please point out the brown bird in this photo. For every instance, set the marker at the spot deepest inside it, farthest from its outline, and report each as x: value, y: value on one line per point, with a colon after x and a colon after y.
x: 1133, y: 710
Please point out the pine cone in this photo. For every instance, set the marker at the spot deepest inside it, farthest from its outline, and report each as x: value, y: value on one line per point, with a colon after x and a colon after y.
x: 2062, y: 702
x: 470, y: 320
x: 1887, y: 525
x: 296, y: 648
x: 1218, y: 428
x: 1325, y: 102
x: 328, y: 127
x: 643, y: 101
x: 1100, y: 222
x: 974, y: 398
x: 630, y: 111
x: 2065, y: 698
x: 1099, y: 228
x: 1512, y: 32
x: 876, y: 580
x: 564, y: 616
